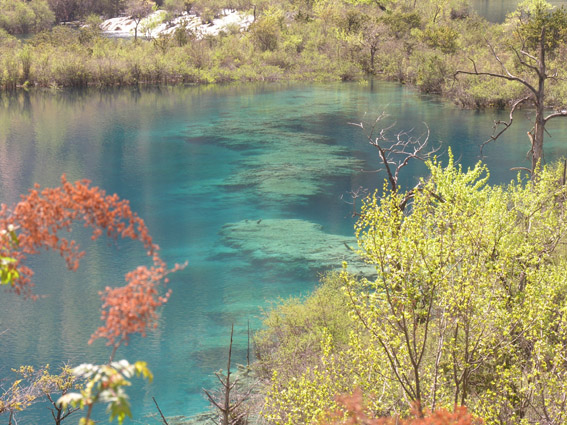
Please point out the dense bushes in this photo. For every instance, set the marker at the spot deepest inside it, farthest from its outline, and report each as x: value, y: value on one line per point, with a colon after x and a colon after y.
x: 467, y: 308
x: 65, y: 57
x: 21, y: 17
x: 419, y: 43
x: 290, y: 340
x: 353, y: 412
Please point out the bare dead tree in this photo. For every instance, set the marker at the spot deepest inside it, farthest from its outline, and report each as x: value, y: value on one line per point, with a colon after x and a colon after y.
x: 501, y: 126
x: 230, y: 398
x: 395, y: 151
x: 359, y: 192
x: 398, y: 150
x: 534, y: 83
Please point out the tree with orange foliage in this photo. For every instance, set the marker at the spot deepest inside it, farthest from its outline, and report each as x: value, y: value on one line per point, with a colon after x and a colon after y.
x: 36, y: 222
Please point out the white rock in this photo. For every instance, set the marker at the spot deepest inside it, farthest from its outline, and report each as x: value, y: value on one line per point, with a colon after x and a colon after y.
x: 125, y: 26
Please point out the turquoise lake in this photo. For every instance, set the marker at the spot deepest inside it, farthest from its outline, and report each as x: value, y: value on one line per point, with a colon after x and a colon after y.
x: 247, y: 184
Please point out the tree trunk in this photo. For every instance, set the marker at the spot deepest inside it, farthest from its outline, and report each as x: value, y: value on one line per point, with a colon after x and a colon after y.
x: 536, y: 138
x: 227, y: 388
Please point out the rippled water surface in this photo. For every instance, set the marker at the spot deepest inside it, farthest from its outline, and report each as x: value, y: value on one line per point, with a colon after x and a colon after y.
x: 248, y: 184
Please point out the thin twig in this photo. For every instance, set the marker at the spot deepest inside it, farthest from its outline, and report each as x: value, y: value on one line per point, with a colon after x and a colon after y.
x: 506, y: 124
x: 160, y: 412
x: 248, y: 350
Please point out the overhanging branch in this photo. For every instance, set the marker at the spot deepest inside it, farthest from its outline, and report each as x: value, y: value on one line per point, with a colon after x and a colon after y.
x: 506, y: 124
x: 501, y: 76
x: 562, y: 113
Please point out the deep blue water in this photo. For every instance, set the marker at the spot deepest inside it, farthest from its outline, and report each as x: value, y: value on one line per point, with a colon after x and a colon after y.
x: 275, y: 159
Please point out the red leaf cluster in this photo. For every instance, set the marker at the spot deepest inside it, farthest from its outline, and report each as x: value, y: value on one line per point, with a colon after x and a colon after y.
x: 356, y: 415
x: 132, y: 308
x: 40, y: 216
x: 39, y: 219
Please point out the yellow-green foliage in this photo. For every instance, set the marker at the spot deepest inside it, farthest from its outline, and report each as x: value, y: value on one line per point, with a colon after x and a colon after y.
x: 266, y: 30
x: 308, y: 395
x: 34, y: 384
x: 293, y: 330
x: 295, y: 39
x: 68, y: 58
x: 468, y: 306
x: 20, y: 17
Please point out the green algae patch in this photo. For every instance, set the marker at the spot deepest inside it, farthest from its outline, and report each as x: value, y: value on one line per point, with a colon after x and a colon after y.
x: 284, y: 160
x: 295, y: 242
x: 294, y: 171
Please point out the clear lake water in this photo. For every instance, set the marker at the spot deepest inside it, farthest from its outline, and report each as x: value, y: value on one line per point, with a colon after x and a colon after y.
x: 249, y: 184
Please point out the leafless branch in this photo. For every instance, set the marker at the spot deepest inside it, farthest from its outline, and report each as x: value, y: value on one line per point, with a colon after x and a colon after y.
x: 160, y: 412
x: 522, y: 169
x: 523, y: 52
x: 502, y: 76
x: 562, y: 113
x: 360, y: 192
x: 396, y: 151
x: 506, y: 124
x: 524, y: 62
x: 508, y: 73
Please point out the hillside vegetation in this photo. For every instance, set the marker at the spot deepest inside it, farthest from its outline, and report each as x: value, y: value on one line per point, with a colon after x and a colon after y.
x: 419, y: 43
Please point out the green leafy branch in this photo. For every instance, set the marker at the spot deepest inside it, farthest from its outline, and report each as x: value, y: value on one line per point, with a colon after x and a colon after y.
x: 105, y: 384
x: 8, y: 239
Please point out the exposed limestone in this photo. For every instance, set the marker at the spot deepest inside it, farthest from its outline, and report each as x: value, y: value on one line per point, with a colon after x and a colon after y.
x: 155, y: 24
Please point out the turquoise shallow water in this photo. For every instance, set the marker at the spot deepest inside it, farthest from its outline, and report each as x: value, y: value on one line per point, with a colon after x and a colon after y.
x: 248, y: 184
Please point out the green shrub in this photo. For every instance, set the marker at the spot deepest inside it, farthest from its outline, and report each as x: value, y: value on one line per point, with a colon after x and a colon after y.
x: 431, y: 71
x: 266, y: 30
x: 468, y: 302
x: 401, y: 23
x: 293, y: 329
x: 21, y: 17
x: 440, y: 37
